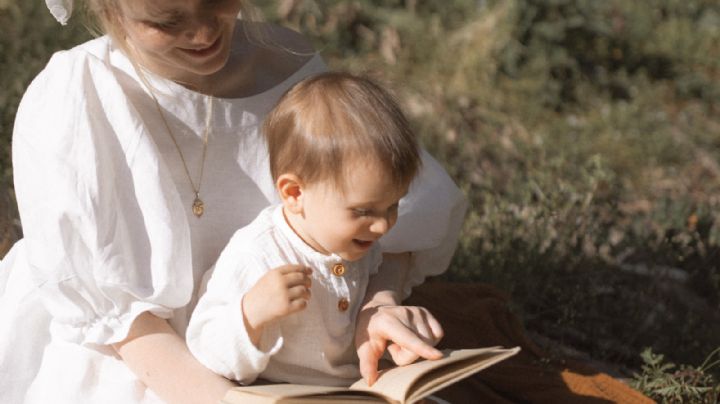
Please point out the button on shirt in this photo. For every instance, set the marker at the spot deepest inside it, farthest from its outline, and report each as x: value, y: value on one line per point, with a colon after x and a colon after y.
x: 343, y: 304
x: 314, y: 346
x: 338, y: 269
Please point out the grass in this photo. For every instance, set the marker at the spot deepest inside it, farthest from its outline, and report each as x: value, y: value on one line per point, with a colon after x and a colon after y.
x: 665, y: 382
x: 584, y: 133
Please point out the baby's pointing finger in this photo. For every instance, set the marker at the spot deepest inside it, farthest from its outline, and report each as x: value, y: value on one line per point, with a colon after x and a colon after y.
x: 411, y: 342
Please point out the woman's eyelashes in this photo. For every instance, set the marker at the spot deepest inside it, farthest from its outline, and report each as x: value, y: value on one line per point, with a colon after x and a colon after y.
x: 164, y: 25
x: 219, y: 2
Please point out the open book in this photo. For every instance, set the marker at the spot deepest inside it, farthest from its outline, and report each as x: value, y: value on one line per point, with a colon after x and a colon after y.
x: 401, y: 385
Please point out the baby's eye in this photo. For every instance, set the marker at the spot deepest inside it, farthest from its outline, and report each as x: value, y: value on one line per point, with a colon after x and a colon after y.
x: 361, y: 212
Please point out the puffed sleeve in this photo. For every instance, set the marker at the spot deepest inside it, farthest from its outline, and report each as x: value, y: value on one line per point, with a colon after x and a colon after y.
x: 429, y: 222
x: 106, y: 238
x: 216, y: 335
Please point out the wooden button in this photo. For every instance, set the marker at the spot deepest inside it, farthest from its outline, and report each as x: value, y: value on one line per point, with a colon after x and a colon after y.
x: 338, y: 269
x: 343, y: 304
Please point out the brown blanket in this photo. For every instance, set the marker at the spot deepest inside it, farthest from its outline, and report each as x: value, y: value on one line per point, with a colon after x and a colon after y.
x: 476, y: 315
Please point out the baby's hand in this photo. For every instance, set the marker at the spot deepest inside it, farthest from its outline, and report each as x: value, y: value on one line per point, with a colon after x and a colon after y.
x: 283, y: 291
x: 408, y: 333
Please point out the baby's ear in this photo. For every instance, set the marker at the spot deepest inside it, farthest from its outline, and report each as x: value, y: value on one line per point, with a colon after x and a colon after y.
x: 290, y: 188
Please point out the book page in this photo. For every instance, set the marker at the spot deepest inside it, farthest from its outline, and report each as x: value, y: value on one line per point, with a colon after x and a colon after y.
x: 415, y: 381
x: 297, y: 394
x: 440, y: 378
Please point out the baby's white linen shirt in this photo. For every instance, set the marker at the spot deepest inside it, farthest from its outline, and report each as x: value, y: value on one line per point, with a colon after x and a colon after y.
x: 313, y: 346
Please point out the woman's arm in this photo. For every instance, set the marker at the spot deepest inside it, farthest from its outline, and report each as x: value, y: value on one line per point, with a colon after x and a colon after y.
x: 160, y: 358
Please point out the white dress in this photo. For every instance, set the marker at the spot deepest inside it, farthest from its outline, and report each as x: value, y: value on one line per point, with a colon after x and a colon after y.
x: 313, y: 346
x: 107, y: 236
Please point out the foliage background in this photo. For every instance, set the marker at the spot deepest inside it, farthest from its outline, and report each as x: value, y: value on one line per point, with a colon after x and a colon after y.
x: 584, y: 133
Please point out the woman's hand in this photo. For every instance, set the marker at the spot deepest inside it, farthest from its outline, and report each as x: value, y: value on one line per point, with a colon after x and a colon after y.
x: 283, y: 291
x: 408, y: 333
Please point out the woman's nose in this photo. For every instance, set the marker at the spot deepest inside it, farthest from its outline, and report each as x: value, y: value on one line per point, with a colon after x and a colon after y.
x: 203, y: 31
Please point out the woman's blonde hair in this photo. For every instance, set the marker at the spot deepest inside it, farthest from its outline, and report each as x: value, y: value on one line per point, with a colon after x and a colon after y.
x: 328, y: 120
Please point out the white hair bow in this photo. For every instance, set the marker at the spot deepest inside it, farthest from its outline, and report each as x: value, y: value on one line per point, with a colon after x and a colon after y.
x: 60, y: 9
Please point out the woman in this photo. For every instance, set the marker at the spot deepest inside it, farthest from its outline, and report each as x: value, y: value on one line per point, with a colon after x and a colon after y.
x: 136, y: 155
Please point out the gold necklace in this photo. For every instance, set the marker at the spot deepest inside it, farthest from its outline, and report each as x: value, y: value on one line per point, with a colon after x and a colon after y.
x: 198, y: 206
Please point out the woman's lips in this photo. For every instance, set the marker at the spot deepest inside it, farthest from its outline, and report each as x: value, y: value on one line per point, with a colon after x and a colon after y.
x: 204, y: 52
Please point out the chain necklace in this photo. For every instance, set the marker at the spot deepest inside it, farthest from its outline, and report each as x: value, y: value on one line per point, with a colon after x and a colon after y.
x: 198, y: 206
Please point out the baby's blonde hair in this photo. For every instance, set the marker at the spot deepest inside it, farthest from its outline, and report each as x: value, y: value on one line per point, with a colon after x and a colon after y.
x: 329, y: 120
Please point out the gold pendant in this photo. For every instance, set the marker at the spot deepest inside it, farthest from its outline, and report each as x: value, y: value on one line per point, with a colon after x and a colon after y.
x: 198, y: 207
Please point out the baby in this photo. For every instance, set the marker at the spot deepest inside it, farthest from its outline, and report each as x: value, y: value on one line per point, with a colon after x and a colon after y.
x: 283, y: 297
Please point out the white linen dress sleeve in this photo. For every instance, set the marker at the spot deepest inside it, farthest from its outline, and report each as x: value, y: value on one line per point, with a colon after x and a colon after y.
x: 217, y: 335
x: 105, y: 233
x: 429, y: 222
